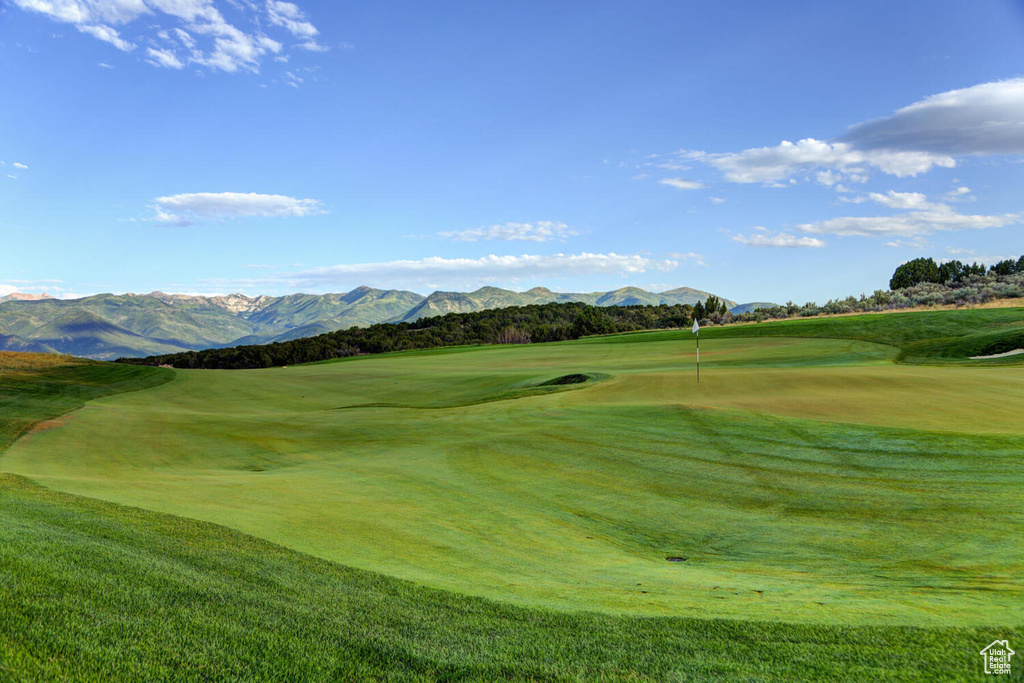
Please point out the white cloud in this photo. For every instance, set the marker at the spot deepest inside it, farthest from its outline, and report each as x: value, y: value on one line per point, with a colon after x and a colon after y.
x: 106, y: 34
x: 960, y: 251
x: 20, y: 165
x: 960, y: 194
x: 289, y: 16
x: 892, y: 199
x: 915, y: 223
x: 717, y: 200
x: 185, y: 37
x: 828, y: 178
x: 688, y: 256
x: 233, y: 49
x: 541, y: 231
x: 200, y: 35
x: 484, y: 269
x: 773, y: 164
x: 916, y: 243
x: 783, y: 240
x: 313, y: 46
x: 985, y: 119
x: 164, y: 58
x: 683, y: 184
x: 901, y: 200
x: 185, y: 209
x: 68, y: 12
x: 104, y: 65
x: 12, y: 176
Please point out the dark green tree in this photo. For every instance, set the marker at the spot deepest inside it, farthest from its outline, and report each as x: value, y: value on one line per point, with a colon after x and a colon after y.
x: 1007, y: 267
x: 914, y: 273
x: 591, y: 320
x: 951, y: 271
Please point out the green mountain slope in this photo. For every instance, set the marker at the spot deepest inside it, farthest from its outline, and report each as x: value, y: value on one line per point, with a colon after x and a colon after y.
x: 752, y: 306
x: 442, y: 303
x: 107, y: 326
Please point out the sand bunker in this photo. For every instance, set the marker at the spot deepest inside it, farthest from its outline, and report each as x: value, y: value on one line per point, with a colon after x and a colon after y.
x: 999, y: 355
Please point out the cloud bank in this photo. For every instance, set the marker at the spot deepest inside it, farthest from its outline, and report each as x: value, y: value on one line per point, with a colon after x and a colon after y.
x: 982, y: 120
x: 541, y: 231
x: 932, y: 218
x: 778, y: 240
x: 683, y: 184
x: 186, y: 209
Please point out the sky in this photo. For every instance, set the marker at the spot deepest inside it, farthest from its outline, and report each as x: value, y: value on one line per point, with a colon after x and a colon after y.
x: 761, y: 151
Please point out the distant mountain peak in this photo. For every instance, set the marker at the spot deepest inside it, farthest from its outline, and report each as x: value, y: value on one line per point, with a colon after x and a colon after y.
x: 22, y: 296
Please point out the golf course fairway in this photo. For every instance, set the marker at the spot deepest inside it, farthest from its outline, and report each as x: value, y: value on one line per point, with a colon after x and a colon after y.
x: 804, y: 480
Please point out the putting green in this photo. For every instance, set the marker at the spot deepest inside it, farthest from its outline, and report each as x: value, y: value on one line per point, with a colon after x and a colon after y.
x: 802, y: 480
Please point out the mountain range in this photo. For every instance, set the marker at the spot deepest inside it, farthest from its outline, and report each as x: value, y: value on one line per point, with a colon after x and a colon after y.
x: 107, y: 326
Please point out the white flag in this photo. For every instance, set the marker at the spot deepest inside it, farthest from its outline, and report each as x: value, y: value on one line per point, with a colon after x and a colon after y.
x: 695, y: 326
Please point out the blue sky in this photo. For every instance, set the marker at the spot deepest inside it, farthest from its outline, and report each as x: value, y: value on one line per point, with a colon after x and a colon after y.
x: 762, y: 151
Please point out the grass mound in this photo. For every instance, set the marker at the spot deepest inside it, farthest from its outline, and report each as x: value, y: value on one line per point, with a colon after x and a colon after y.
x: 96, y: 591
x: 35, y: 387
x: 923, y: 337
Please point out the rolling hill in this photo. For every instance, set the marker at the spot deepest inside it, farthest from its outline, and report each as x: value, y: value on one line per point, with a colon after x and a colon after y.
x: 108, y: 326
x: 846, y: 485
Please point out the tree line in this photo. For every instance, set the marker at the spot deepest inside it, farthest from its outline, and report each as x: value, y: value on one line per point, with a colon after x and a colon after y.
x: 513, y: 325
x: 922, y: 270
x: 921, y: 282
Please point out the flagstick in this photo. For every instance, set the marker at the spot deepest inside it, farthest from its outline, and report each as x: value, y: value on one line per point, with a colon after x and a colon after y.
x: 696, y: 331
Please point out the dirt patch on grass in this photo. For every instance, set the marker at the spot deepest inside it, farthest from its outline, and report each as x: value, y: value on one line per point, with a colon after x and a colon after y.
x: 47, y: 425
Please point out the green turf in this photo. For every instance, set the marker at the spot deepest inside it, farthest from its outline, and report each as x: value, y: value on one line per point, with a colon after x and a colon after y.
x: 807, y: 480
x: 28, y: 395
x: 98, y: 592
x: 826, y: 501
x: 922, y: 336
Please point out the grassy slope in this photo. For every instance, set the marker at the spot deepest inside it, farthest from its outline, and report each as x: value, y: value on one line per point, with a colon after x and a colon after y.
x: 196, y: 601
x: 922, y: 336
x: 900, y: 516
x: 38, y: 387
x: 97, y: 592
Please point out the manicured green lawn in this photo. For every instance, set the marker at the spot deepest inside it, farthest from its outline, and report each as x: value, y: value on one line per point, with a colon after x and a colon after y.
x: 826, y: 500
x: 806, y: 480
x: 93, y: 591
